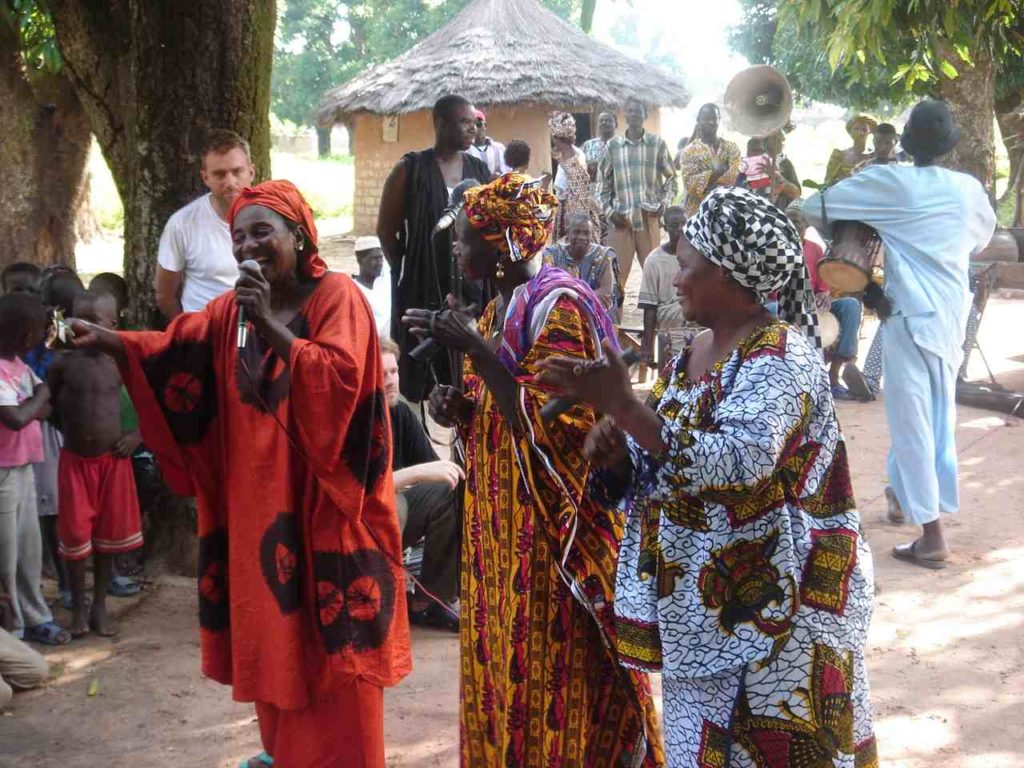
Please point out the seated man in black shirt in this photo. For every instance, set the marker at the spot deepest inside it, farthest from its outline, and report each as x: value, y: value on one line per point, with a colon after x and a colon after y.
x: 426, y: 503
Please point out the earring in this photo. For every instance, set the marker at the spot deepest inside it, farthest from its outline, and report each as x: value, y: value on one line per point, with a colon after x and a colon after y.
x: 300, y: 243
x: 499, y: 271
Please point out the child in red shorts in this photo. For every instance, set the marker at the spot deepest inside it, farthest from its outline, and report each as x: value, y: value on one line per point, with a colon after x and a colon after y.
x: 99, y: 509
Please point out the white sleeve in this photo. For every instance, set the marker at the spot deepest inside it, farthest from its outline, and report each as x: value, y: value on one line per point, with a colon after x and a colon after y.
x: 8, y: 395
x: 171, y: 252
x: 560, y: 182
x: 867, y: 197
x: 985, y: 221
x: 648, y: 295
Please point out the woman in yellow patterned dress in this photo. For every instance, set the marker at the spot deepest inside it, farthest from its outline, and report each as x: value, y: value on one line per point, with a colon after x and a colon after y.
x: 541, y: 685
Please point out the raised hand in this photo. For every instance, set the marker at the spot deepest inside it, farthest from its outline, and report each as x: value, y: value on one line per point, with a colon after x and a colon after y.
x: 602, y: 383
x: 252, y: 291
x: 452, y: 327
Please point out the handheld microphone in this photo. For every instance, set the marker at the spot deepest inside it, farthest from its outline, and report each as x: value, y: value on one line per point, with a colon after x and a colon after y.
x: 555, y: 408
x: 426, y: 348
x: 242, y: 337
x: 451, y: 212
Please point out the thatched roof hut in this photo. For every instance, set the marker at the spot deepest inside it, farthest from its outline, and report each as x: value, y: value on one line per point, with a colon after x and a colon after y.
x: 513, y: 58
x: 503, y: 52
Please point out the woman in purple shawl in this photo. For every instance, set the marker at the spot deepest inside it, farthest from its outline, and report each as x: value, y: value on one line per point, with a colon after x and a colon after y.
x: 541, y: 684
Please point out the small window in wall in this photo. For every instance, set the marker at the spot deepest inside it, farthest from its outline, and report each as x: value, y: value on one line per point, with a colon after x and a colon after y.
x: 389, y: 129
x: 584, y: 126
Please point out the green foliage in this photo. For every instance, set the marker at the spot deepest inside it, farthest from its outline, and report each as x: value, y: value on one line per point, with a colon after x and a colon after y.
x: 909, y: 38
x: 804, y: 60
x: 324, y: 43
x: 876, y: 54
x: 34, y: 27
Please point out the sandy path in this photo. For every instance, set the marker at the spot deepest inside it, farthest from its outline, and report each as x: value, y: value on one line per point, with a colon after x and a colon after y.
x: 946, y: 656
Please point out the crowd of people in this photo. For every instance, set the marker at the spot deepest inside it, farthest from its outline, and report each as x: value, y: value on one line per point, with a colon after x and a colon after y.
x: 576, y: 537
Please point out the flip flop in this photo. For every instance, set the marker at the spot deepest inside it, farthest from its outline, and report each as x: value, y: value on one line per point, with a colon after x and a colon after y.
x: 839, y: 392
x: 123, y: 586
x: 262, y: 758
x: 908, y: 554
x: 856, y: 383
x: 48, y: 633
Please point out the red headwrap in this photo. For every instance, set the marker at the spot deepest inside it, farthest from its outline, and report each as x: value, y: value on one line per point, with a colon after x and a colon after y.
x: 285, y: 198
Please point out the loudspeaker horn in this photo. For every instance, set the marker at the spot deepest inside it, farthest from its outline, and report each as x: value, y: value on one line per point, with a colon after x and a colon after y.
x: 758, y: 101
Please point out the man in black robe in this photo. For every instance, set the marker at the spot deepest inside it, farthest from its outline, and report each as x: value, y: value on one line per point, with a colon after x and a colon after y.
x: 415, y: 195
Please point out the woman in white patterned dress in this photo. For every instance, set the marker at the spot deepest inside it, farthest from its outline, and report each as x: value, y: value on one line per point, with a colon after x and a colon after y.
x: 743, y: 575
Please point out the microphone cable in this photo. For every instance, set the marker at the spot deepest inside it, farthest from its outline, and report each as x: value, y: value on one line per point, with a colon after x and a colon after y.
x: 396, y: 562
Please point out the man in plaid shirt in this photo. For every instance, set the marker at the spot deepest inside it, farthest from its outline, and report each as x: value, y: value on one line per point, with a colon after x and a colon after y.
x: 637, y: 183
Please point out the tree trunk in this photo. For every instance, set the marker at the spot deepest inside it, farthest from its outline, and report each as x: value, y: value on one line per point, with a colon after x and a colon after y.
x: 971, y: 95
x: 154, y: 77
x: 44, y: 148
x: 323, y: 141
x: 587, y: 15
x: 1010, y: 122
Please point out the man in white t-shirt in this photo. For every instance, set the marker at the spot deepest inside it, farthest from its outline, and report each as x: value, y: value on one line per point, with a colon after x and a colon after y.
x: 487, y: 149
x: 373, y: 282
x: 195, y: 263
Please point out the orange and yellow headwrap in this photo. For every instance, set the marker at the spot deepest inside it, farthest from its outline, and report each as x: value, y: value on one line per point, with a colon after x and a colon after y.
x: 514, y: 213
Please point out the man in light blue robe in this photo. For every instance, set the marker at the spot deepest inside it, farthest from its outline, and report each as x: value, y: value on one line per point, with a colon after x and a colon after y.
x: 931, y: 220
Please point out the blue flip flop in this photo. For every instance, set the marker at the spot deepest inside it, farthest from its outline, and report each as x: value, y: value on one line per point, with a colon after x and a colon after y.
x: 263, y: 758
x: 123, y: 586
x: 48, y: 633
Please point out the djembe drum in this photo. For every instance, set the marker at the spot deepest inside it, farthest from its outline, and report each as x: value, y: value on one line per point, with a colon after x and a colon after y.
x: 852, y: 258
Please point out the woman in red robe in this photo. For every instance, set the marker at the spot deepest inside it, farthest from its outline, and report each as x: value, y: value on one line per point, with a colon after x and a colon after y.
x: 284, y: 441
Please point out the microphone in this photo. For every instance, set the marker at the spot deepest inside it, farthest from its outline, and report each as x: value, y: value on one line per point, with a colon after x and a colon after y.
x: 451, y: 212
x: 242, y: 337
x: 426, y: 348
x: 555, y: 408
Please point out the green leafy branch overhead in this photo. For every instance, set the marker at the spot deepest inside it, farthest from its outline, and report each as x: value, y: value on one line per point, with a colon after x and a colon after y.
x: 917, y: 40
x: 33, y: 25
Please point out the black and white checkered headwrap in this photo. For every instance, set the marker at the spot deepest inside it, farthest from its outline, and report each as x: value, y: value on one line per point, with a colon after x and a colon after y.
x: 760, y: 248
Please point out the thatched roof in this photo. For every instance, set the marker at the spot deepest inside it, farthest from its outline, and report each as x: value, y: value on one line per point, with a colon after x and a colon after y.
x: 503, y: 52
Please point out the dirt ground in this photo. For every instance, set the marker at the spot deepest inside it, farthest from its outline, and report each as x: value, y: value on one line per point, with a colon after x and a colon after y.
x: 946, y: 654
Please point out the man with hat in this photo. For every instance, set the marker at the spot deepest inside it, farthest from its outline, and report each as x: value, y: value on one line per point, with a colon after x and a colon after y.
x: 487, y: 149
x: 370, y: 258
x: 931, y: 221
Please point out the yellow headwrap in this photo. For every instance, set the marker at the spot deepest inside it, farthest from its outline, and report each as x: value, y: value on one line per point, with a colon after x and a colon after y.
x: 514, y: 213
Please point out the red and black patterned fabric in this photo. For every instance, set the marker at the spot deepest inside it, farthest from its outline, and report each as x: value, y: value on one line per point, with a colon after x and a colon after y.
x: 300, y: 584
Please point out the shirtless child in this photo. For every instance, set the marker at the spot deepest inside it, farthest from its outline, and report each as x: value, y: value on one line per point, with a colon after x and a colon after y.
x: 99, y: 510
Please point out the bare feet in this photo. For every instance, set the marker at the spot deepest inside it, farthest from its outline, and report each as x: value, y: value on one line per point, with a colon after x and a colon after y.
x: 894, y: 513
x: 100, y: 621
x: 79, y: 620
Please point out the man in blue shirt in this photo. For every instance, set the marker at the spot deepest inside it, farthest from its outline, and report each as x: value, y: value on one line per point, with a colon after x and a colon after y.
x: 931, y: 221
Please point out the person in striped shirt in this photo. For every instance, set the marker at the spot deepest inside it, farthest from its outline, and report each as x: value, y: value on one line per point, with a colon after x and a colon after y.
x: 637, y: 183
